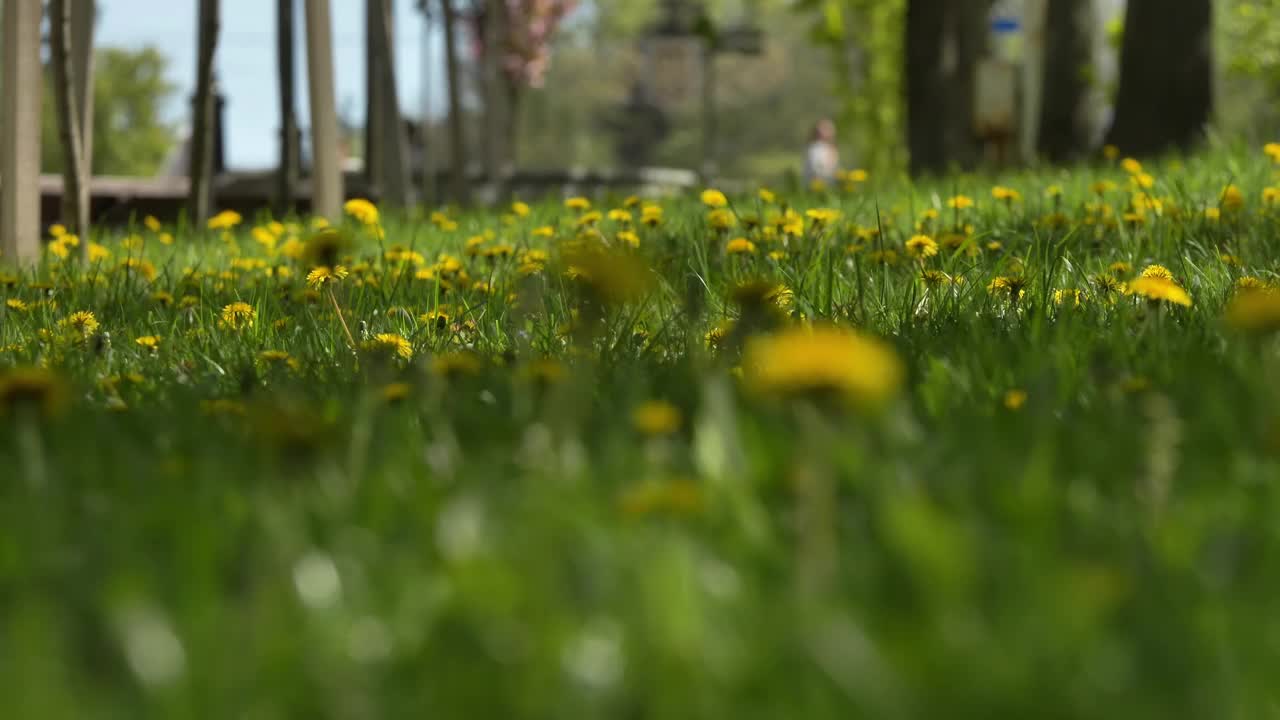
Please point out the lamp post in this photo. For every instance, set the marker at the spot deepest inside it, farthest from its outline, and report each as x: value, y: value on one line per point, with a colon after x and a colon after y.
x: 685, y: 30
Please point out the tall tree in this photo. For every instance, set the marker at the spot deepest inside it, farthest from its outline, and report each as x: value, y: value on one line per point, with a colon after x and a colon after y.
x: 457, y: 131
x: 1165, y: 96
x: 75, y: 189
x: 1064, y: 128
x: 83, y: 61
x: 375, y: 103
x: 200, y: 200
x: 966, y: 32
x: 20, y: 132
x: 926, y: 88
x: 287, y: 179
x: 389, y: 140
x: 326, y: 173
x: 495, y: 87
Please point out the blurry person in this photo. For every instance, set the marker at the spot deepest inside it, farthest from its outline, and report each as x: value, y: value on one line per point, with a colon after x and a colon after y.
x: 822, y: 157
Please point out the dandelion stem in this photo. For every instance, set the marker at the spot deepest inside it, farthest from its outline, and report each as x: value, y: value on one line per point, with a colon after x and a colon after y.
x: 338, y: 309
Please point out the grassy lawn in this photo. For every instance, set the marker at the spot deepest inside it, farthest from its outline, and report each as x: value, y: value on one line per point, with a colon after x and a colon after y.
x: 943, y: 450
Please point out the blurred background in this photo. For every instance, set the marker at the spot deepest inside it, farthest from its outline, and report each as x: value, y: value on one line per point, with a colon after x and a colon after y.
x: 725, y: 88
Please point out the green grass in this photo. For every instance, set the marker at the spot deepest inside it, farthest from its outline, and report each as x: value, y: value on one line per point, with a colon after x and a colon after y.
x: 194, y: 533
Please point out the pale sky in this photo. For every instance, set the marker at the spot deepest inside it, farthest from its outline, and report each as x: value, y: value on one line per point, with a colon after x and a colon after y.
x: 246, y: 63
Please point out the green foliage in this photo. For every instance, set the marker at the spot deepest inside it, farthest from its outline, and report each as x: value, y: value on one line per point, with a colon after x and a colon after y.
x: 865, y: 42
x: 1064, y: 509
x: 129, y: 136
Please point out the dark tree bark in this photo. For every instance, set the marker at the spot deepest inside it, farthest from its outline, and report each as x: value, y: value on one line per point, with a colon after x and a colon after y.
x: 200, y: 163
x: 1064, y: 129
x: 967, y: 30
x: 287, y: 180
x: 391, y: 140
x: 926, y: 89
x: 75, y: 192
x: 374, y: 101
x: 457, y: 131
x: 1166, y: 95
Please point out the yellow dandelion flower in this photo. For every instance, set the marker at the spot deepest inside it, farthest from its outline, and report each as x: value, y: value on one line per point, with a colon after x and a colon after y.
x: 323, y: 274
x: 1005, y: 194
x: 362, y: 210
x: 36, y: 390
x: 1232, y: 199
x: 824, y: 360
x: 766, y: 196
x: 1254, y: 311
x: 1272, y: 150
x: 1158, y: 289
x: 225, y: 220
x: 721, y: 219
x: 1110, y: 152
x: 935, y: 278
x: 148, y: 342
x: 16, y: 305
x: 740, y: 246
x: 82, y: 323
x: 238, y: 315
x: 396, y: 392
x: 960, y: 202
x: 822, y: 216
x: 1157, y: 271
x: 1069, y: 296
x: 714, y: 199
x: 390, y: 344
x: 98, y: 252
x: 1131, y: 166
x: 578, y: 204
x: 656, y: 417
x: 152, y: 223
x: 629, y: 238
x: 520, y: 209
x: 278, y: 358
x: 921, y: 247
x: 1015, y: 399
x: 456, y: 364
x: 545, y: 231
x: 620, y: 215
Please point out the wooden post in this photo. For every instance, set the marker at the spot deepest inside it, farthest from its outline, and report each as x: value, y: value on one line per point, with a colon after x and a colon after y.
x: 287, y: 185
x: 83, y: 15
x: 495, y: 92
x: 457, y: 129
x: 326, y: 175
x: 202, y: 128
x: 75, y: 192
x: 393, y: 178
x: 374, y: 106
x: 20, y: 133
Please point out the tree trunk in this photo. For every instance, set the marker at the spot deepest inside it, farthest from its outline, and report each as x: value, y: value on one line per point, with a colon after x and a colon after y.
x: 200, y: 200
x: 495, y: 89
x: 20, y: 133
x: 83, y: 16
x: 374, y: 37
x: 326, y: 173
x: 1165, y: 95
x: 967, y: 27
x: 393, y: 143
x: 1064, y: 130
x: 926, y: 89
x: 75, y: 195
x: 287, y: 178
x: 457, y: 133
